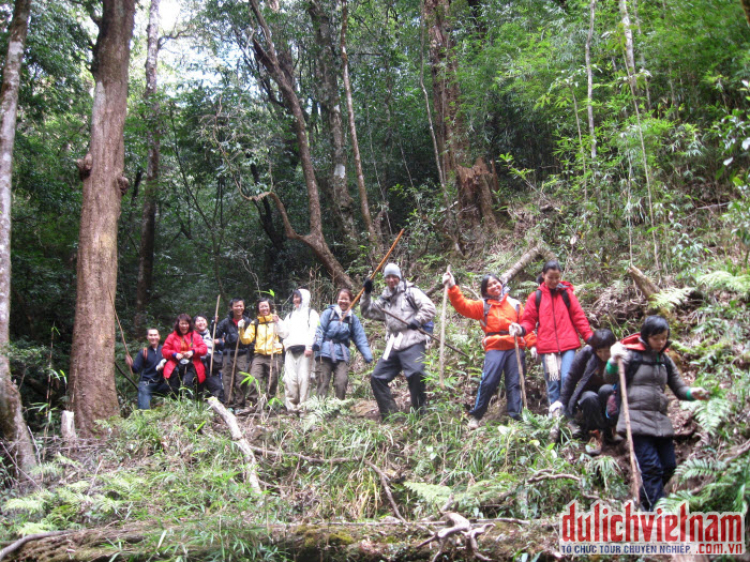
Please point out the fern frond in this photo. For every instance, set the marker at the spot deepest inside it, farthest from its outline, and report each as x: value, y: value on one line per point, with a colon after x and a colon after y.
x: 431, y: 493
x: 671, y: 298
x: 725, y: 280
x: 47, y: 469
x: 26, y: 505
x: 65, y: 461
x: 700, y: 468
x: 34, y: 528
x: 711, y: 413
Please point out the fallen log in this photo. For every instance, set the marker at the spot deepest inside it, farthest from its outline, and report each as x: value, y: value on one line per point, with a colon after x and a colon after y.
x: 540, y: 250
x: 251, y: 471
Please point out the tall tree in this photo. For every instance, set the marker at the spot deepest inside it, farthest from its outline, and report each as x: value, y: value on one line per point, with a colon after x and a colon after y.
x: 12, y: 424
x: 92, y: 382
x: 279, y: 65
x: 148, y: 218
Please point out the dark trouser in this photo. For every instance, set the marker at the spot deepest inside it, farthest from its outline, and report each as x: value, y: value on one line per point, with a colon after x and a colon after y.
x: 265, y: 370
x: 146, y: 389
x: 411, y: 362
x: 340, y: 371
x: 237, y: 365
x: 495, y: 362
x: 183, y: 376
x: 591, y: 409
x: 657, y: 463
x: 214, y: 386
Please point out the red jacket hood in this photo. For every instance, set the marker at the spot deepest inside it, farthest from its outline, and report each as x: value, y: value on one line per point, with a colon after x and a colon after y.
x: 635, y: 343
x: 561, y: 285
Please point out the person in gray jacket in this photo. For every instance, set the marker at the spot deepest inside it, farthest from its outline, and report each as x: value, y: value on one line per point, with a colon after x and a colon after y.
x: 405, y: 310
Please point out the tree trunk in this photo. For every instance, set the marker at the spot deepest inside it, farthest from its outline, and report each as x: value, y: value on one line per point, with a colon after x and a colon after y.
x: 746, y: 8
x: 363, y: 199
x: 279, y: 66
x: 148, y: 219
x: 12, y: 425
x: 343, y: 204
x: 92, y: 379
x: 590, y: 80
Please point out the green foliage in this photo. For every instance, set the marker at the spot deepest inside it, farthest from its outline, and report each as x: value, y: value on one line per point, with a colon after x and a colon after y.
x: 726, y: 280
x: 671, y: 298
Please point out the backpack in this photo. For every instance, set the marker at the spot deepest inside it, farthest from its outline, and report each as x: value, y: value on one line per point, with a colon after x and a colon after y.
x: 487, y: 307
x: 428, y: 326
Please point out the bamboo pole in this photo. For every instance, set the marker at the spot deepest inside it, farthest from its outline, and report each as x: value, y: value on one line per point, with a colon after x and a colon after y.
x: 521, y: 377
x: 442, y: 333
x: 372, y: 276
x: 213, y: 336
x: 122, y: 335
x: 428, y: 334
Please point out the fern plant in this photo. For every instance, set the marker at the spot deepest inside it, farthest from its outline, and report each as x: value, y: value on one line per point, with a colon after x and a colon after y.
x: 739, y: 283
x: 670, y: 298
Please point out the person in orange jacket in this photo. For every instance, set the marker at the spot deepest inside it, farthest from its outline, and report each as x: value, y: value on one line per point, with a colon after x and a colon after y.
x: 495, y: 312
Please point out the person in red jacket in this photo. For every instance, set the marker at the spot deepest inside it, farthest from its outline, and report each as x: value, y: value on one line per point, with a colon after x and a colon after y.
x: 183, y: 350
x: 495, y: 312
x: 554, y: 311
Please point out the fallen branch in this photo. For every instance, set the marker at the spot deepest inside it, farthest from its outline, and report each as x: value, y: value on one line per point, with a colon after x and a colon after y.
x: 540, y: 250
x: 12, y: 547
x: 251, y: 473
x: 460, y: 526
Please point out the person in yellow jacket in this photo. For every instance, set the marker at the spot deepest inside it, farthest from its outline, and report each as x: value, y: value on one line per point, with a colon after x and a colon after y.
x: 264, y: 333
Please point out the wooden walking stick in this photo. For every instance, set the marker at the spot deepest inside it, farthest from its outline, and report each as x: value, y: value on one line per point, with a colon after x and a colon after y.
x: 521, y: 377
x: 234, y: 365
x: 122, y: 335
x: 442, y: 333
x: 213, y: 336
x: 421, y: 331
x: 635, y: 473
x: 372, y: 275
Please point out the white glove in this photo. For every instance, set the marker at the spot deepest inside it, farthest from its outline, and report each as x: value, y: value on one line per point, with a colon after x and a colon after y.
x: 515, y: 330
x: 161, y: 364
x: 241, y: 324
x: 534, y: 354
x: 556, y: 409
x: 619, y: 352
x: 448, y: 279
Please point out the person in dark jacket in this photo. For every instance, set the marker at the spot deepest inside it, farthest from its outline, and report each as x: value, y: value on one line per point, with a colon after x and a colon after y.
x: 183, y: 350
x: 648, y: 370
x: 337, y: 327
x: 584, y: 394
x: 228, y: 342
x: 149, y: 363
x: 495, y: 312
x: 555, y: 313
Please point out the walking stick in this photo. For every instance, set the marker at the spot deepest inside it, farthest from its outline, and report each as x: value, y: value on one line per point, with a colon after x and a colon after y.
x: 372, y: 275
x: 428, y: 334
x: 635, y: 473
x: 122, y: 335
x: 213, y: 336
x: 521, y: 377
x: 234, y: 367
x: 442, y: 333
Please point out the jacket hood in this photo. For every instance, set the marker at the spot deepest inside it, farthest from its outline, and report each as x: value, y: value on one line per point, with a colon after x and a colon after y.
x: 561, y: 285
x: 305, y: 296
x: 636, y: 343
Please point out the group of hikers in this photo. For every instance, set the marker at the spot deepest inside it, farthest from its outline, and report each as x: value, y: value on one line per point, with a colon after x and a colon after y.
x: 582, y: 384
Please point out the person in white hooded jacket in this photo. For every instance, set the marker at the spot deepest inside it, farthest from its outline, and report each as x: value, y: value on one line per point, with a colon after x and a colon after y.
x: 298, y: 331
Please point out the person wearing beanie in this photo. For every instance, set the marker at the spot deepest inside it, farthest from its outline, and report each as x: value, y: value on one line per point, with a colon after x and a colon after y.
x: 406, y: 311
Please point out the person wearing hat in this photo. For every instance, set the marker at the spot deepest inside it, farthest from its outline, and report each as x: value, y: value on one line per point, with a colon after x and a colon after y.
x: 408, y: 310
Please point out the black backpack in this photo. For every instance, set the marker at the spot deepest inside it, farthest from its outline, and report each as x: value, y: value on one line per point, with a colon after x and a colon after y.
x: 563, y: 292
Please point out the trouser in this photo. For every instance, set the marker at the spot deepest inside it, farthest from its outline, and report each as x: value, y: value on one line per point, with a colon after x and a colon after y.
x: 411, y: 362
x: 296, y: 379
x: 656, y: 460
x: 183, y: 376
x: 554, y: 387
x: 340, y: 372
x: 265, y: 371
x: 146, y: 389
x: 495, y: 363
x: 235, y: 364
x: 591, y: 408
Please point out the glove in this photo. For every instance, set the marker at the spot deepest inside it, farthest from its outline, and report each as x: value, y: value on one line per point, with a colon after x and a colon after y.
x: 699, y: 393
x: 448, y: 279
x: 368, y: 286
x: 161, y: 364
x: 241, y: 324
x: 515, y: 330
x: 414, y: 325
x: 556, y: 409
x: 534, y: 354
x: 619, y: 352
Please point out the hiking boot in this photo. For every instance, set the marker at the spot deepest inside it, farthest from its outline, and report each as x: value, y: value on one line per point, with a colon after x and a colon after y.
x: 473, y: 423
x: 554, y: 433
x: 575, y: 430
x: 594, y: 446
